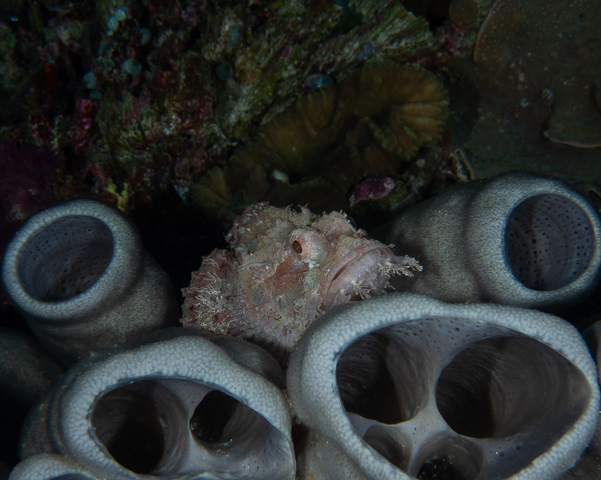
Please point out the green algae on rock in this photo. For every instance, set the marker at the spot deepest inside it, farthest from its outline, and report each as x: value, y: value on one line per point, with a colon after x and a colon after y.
x: 315, y: 151
x: 157, y: 109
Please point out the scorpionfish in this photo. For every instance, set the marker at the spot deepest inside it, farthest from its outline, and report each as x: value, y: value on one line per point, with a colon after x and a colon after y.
x: 283, y: 270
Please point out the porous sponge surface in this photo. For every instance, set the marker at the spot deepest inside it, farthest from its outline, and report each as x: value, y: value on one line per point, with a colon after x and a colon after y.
x: 433, y: 351
x: 186, y: 368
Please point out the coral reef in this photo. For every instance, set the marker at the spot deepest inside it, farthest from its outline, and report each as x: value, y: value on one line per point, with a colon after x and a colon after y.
x: 133, y: 101
x: 429, y: 174
x: 134, y: 96
x: 371, y: 188
x: 271, y: 47
x: 21, y: 72
x: 283, y: 270
x: 315, y: 151
x: 464, y: 13
x: 27, y: 176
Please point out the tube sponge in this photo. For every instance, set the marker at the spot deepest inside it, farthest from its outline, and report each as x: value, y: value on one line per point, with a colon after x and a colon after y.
x: 49, y: 466
x: 517, y: 239
x: 176, y: 407
x: 81, y: 277
x: 26, y: 371
x: 404, y: 386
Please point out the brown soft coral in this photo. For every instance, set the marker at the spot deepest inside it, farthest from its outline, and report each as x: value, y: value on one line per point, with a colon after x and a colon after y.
x: 315, y: 151
x: 546, y: 54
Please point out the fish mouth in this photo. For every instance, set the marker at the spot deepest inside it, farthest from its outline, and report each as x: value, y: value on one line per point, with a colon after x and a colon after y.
x: 358, y: 275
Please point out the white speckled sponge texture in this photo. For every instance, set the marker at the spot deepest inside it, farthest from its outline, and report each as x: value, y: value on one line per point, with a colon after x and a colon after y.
x: 80, y: 276
x: 49, y: 466
x: 159, y: 388
x: 517, y: 239
x: 404, y: 385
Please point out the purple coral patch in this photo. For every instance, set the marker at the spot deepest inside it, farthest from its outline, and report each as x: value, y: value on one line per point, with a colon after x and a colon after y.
x: 372, y: 188
x: 26, y: 176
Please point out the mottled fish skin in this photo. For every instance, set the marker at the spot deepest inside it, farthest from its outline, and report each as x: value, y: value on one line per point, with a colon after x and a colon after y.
x: 283, y: 270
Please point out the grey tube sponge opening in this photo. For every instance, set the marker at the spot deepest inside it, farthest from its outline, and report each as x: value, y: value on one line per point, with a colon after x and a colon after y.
x: 517, y: 239
x: 79, y: 248
x: 174, y: 408
x: 81, y: 277
x: 559, y: 249
x: 52, y: 265
x: 549, y: 242
x: 406, y: 386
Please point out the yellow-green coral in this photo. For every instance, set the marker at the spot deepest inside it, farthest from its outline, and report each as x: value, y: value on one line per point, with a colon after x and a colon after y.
x: 315, y: 151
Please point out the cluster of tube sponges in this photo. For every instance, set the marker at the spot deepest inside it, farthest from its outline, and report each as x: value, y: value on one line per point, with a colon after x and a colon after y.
x: 400, y: 386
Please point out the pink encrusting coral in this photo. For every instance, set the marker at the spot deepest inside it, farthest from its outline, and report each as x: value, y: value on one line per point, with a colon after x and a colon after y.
x: 371, y: 188
x: 283, y: 270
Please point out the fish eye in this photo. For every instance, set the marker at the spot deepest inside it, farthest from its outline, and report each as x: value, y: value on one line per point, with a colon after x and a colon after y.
x: 297, y: 247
